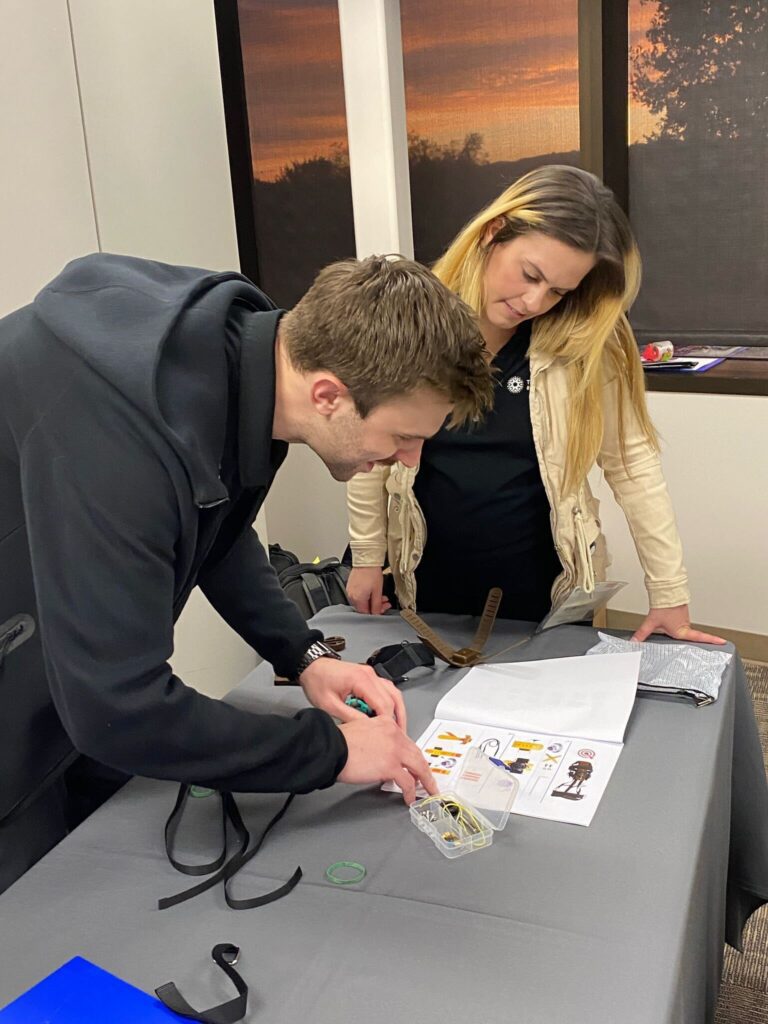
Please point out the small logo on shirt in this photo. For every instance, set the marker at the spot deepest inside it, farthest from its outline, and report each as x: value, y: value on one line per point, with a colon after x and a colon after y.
x: 516, y: 384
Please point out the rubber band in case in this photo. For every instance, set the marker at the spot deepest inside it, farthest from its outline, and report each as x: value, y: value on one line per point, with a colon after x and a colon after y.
x: 465, y: 818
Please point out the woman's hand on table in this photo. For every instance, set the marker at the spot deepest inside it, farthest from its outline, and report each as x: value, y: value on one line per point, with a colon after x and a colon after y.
x: 675, y: 622
x: 327, y: 684
x: 380, y: 752
x: 365, y: 590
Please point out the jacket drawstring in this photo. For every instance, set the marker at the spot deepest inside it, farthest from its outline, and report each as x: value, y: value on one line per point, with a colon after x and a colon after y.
x: 584, y: 554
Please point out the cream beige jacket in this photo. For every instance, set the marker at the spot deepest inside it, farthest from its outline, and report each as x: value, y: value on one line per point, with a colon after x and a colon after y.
x: 385, y: 521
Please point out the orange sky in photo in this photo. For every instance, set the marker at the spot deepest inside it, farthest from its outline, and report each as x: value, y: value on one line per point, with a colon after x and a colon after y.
x: 506, y: 70
x: 293, y: 81
x: 642, y: 122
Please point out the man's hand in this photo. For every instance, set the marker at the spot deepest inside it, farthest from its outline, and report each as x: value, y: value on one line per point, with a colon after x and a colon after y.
x: 327, y: 683
x: 675, y: 622
x: 380, y: 752
x: 365, y: 590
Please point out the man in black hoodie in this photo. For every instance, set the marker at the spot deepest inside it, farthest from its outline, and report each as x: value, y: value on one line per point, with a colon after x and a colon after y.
x: 144, y: 411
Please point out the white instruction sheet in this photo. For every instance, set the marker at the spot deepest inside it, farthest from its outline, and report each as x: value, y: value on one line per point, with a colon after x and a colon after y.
x: 557, y: 695
x: 557, y: 725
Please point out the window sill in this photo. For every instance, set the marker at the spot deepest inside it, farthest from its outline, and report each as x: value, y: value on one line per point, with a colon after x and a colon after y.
x: 732, y: 377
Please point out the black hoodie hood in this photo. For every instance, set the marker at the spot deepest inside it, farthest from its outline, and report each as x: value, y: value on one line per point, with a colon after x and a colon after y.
x: 135, y: 320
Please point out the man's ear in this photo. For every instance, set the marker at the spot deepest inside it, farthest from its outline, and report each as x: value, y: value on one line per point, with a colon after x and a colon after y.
x: 491, y: 228
x: 327, y: 394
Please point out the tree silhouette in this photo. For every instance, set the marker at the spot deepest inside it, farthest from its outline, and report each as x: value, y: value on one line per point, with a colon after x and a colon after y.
x: 423, y: 150
x: 304, y: 217
x: 303, y: 221
x: 451, y: 183
x: 706, y: 69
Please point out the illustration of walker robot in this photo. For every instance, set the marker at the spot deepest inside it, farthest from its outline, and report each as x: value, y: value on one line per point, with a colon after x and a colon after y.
x: 579, y: 772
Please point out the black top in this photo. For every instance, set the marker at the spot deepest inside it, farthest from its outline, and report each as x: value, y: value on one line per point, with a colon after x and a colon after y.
x: 121, y: 489
x: 487, y: 513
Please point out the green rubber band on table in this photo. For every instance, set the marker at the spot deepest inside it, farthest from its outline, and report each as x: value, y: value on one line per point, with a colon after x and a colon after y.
x: 350, y: 865
x: 200, y: 791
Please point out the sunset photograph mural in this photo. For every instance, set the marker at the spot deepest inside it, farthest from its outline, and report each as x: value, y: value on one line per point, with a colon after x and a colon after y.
x: 698, y: 169
x: 492, y: 90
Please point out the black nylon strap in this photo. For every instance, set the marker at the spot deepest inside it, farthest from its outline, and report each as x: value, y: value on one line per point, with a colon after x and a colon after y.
x: 172, y: 827
x: 314, y: 588
x: 395, y: 661
x: 225, y: 955
x: 223, y: 869
x: 242, y: 857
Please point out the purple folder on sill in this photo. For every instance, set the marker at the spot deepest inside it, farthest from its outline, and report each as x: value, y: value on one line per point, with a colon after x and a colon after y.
x: 79, y: 992
x: 684, y: 364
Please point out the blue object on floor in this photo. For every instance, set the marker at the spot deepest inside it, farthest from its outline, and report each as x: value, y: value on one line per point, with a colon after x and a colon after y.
x: 79, y: 992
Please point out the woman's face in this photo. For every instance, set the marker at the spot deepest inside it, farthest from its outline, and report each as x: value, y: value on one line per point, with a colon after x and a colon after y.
x: 527, y: 277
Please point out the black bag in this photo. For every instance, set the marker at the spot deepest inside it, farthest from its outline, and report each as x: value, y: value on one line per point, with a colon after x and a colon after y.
x: 310, y: 585
x: 280, y: 558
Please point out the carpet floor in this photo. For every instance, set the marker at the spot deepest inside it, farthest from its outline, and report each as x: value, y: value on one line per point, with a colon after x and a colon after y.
x: 744, y: 988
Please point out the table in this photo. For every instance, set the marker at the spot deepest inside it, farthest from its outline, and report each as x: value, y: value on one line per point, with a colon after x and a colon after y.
x: 623, y: 920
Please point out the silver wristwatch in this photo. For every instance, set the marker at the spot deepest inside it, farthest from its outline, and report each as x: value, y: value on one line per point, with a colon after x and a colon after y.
x: 316, y: 650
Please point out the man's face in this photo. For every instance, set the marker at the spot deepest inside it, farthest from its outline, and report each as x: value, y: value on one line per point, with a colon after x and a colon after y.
x: 393, y: 432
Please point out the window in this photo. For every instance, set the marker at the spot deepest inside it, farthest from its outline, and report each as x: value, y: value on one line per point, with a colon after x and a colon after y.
x: 287, y: 128
x: 492, y: 90
x: 698, y: 168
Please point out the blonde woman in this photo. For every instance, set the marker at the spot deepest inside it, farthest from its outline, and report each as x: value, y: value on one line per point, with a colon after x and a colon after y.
x: 550, y: 268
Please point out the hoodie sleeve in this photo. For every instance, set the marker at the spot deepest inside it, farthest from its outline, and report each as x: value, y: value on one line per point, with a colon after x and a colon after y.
x: 103, y: 523
x: 244, y: 589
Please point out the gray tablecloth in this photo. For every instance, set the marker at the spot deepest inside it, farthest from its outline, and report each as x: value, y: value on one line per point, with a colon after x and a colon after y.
x: 623, y: 920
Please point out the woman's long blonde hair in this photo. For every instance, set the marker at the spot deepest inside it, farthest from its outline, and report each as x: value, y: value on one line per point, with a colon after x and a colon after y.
x: 589, y: 323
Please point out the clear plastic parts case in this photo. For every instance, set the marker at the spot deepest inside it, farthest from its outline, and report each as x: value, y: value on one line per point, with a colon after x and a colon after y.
x: 464, y: 818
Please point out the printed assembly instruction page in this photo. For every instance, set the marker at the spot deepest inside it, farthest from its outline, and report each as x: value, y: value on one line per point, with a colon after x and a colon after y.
x: 557, y: 725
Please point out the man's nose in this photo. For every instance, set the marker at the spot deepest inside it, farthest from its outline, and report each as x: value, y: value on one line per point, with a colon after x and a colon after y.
x: 411, y: 455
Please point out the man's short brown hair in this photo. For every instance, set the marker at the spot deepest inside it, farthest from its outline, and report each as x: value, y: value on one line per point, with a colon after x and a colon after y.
x: 386, y: 326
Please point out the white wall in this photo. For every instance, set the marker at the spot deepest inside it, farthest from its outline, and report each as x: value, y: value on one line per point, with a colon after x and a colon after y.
x: 154, y: 124
x: 307, y: 508
x: 374, y: 98
x: 152, y: 127
x: 46, y: 214
x: 714, y: 456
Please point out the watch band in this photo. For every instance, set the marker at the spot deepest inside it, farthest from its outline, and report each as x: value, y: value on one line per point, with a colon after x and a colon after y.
x: 316, y: 650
